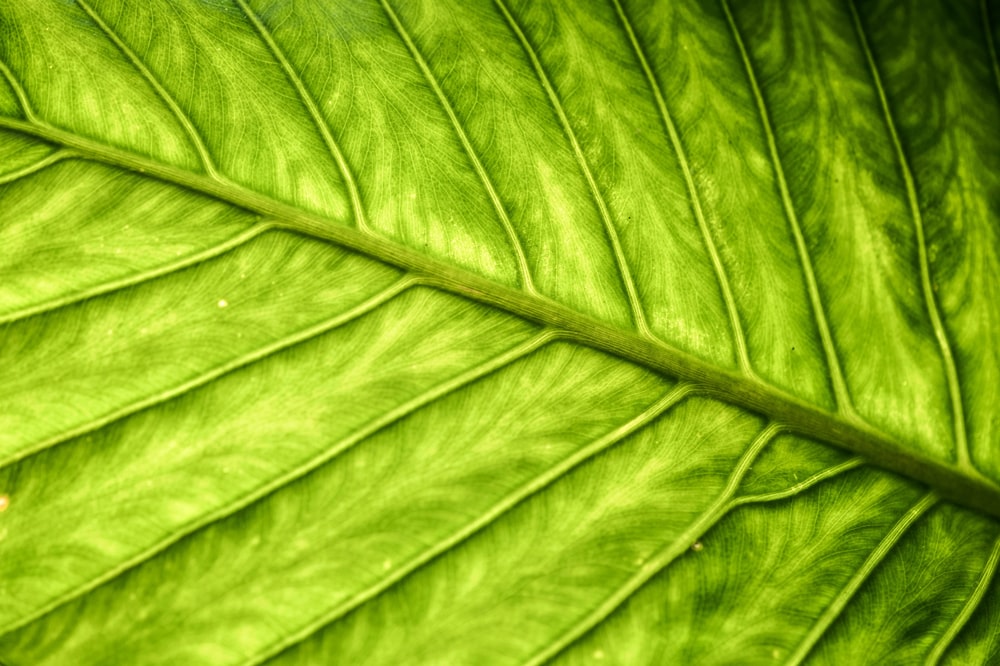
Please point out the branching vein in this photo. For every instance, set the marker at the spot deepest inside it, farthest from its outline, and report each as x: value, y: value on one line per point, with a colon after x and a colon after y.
x: 874, y: 558
x: 137, y: 278
x: 317, y: 117
x: 522, y: 261
x: 534, y: 486
x: 840, y: 391
x: 951, y: 372
x: 635, y: 303
x: 22, y: 98
x: 245, y: 360
x: 168, y: 99
x: 35, y: 167
x: 805, y: 484
x: 377, y: 425
x: 661, y: 559
x: 739, y: 337
x: 978, y: 592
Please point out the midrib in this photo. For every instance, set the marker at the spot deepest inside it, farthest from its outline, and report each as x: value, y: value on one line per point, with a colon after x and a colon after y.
x: 965, y: 487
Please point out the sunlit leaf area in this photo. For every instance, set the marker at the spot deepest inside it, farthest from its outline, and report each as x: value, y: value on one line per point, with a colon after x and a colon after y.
x: 499, y: 332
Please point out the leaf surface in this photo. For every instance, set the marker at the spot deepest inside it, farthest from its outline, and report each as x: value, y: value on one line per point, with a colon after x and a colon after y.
x: 499, y: 332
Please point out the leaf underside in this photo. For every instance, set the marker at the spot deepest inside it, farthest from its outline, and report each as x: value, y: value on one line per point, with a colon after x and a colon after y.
x: 446, y: 332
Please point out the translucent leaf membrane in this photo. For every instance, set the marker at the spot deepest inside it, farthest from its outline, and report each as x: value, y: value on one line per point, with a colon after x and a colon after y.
x: 499, y: 332
x: 944, y: 112
x: 103, y: 228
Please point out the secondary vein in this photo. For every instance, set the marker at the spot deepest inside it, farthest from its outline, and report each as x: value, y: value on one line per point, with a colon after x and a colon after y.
x: 532, y: 487
x: 175, y: 109
x: 522, y: 260
x: 661, y: 559
x: 739, y: 336
x: 635, y: 303
x: 249, y: 358
x: 804, y: 484
x: 874, y: 558
x: 138, y: 278
x: 964, y: 486
x: 951, y: 372
x: 314, y: 113
x: 840, y: 390
x: 969, y: 607
x: 384, y: 421
x: 22, y: 97
x: 35, y: 167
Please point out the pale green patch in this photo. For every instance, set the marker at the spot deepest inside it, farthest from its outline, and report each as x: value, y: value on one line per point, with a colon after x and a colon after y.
x: 450, y: 332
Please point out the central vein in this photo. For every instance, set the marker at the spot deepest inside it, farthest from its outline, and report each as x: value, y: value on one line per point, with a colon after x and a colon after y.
x: 750, y: 393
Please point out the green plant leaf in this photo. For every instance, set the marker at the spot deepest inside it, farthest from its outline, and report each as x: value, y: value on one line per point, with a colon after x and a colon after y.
x: 446, y: 332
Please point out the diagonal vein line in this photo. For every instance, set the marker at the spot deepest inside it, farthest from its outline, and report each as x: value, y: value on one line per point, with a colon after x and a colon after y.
x: 256, y: 355
x: 22, y: 97
x: 840, y: 391
x: 954, y: 388
x: 522, y: 260
x: 314, y: 112
x: 661, y: 559
x: 966, y: 487
x: 982, y: 585
x: 838, y: 605
x: 138, y: 278
x: 804, y: 484
x: 690, y: 535
x: 534, y: 486
x: 35, y: 167
x: 175, y: 109
x: 696, y: 205
x: 623, y: 268
x: 379, y: 424
x: 990, y: 44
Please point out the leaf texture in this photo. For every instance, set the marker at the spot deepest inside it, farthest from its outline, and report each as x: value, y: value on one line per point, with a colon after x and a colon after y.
x: 499, y: 332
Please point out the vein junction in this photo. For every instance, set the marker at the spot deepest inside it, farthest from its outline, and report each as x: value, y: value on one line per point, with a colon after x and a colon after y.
x: 960, y: 484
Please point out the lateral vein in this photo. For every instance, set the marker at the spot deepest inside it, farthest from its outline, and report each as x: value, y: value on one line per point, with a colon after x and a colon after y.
x: 706, y: 522
x: 185, y: 121
x: 804, y: 484
x: 739, y: 337
x: 317, y: 117
x: 635, y: 303
x: 534, y: 486
x: 245, y: 360
x: 22, y: 97
x: 837, y: 606
x: 35, y: 167
x: 138, y: 278
x: 978, y: 592
x: 840, y: 390
x: 368, y: 430
x: 661, y: 559
x: 520, y: 256
x: 951, y: 372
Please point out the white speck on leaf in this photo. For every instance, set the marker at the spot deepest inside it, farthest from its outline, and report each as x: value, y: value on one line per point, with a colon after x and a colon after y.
x: 223, y: 303
x: 697, y: 547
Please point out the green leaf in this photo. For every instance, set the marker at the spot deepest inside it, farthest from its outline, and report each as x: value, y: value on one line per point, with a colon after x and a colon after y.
x: 446, y: 332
